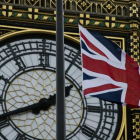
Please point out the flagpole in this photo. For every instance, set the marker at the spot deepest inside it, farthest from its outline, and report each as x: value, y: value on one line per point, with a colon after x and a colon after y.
x: 60, y: 73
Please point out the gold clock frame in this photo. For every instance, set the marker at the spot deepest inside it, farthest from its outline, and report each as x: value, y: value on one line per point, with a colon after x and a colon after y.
x: 76, y: 39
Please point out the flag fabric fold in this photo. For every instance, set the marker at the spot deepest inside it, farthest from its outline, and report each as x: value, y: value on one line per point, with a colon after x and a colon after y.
x: 108, y: 72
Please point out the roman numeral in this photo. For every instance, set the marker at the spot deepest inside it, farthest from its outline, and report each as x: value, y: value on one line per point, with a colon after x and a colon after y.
x: 4, y: 79
x: 1, y: 99
x: 73, y: 60
x: 20, y: 63
x: 47, y: 60
x: 87, y: 131
x: 95, y: 109
x: 20, y: 137
x: 44, y: 60
x: 17, y: 59
x: 3, y: 123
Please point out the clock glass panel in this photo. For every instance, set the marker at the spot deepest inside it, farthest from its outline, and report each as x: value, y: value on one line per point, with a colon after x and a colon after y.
x: 28, y: 75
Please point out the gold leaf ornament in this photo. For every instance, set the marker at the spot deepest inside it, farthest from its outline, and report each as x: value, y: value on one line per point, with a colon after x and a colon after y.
x: 83, y: 5
x: 7, y: 1
x: 33, y: 2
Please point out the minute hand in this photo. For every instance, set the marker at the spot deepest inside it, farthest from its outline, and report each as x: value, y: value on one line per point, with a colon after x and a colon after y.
x: 27, y: 108
x: 43, y: 104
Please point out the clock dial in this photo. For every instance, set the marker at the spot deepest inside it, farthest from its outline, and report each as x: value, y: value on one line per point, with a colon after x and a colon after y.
x: 28, y: 74
x: 27, y: 89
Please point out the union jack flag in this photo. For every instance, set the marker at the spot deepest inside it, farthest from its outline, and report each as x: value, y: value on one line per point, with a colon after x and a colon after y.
x: 108, y: 72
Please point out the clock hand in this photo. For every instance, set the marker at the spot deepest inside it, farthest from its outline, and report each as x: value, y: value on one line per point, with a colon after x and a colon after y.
x: 43, y: 104
x: 67, y: 90
x: 52, y: 100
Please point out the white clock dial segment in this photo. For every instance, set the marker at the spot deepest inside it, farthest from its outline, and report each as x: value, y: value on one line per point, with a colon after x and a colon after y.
x: 28, y: 89
x: 28, y: 75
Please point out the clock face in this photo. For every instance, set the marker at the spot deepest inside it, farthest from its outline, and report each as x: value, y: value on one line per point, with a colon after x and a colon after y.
x: 28, y: 74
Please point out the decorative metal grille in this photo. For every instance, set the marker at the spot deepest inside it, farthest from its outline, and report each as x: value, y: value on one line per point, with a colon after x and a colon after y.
x: 106, y: 7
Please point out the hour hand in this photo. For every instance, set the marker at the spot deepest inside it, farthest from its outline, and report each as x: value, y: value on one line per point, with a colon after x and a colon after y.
x: 46, y: 104
x: 67, y: 90
x: 51, y: 101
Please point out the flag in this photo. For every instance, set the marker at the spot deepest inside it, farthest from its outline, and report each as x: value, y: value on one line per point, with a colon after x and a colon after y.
x: 108, y: 72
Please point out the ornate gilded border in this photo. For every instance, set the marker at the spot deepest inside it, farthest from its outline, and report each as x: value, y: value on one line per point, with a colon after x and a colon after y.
x: 69, y: 36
